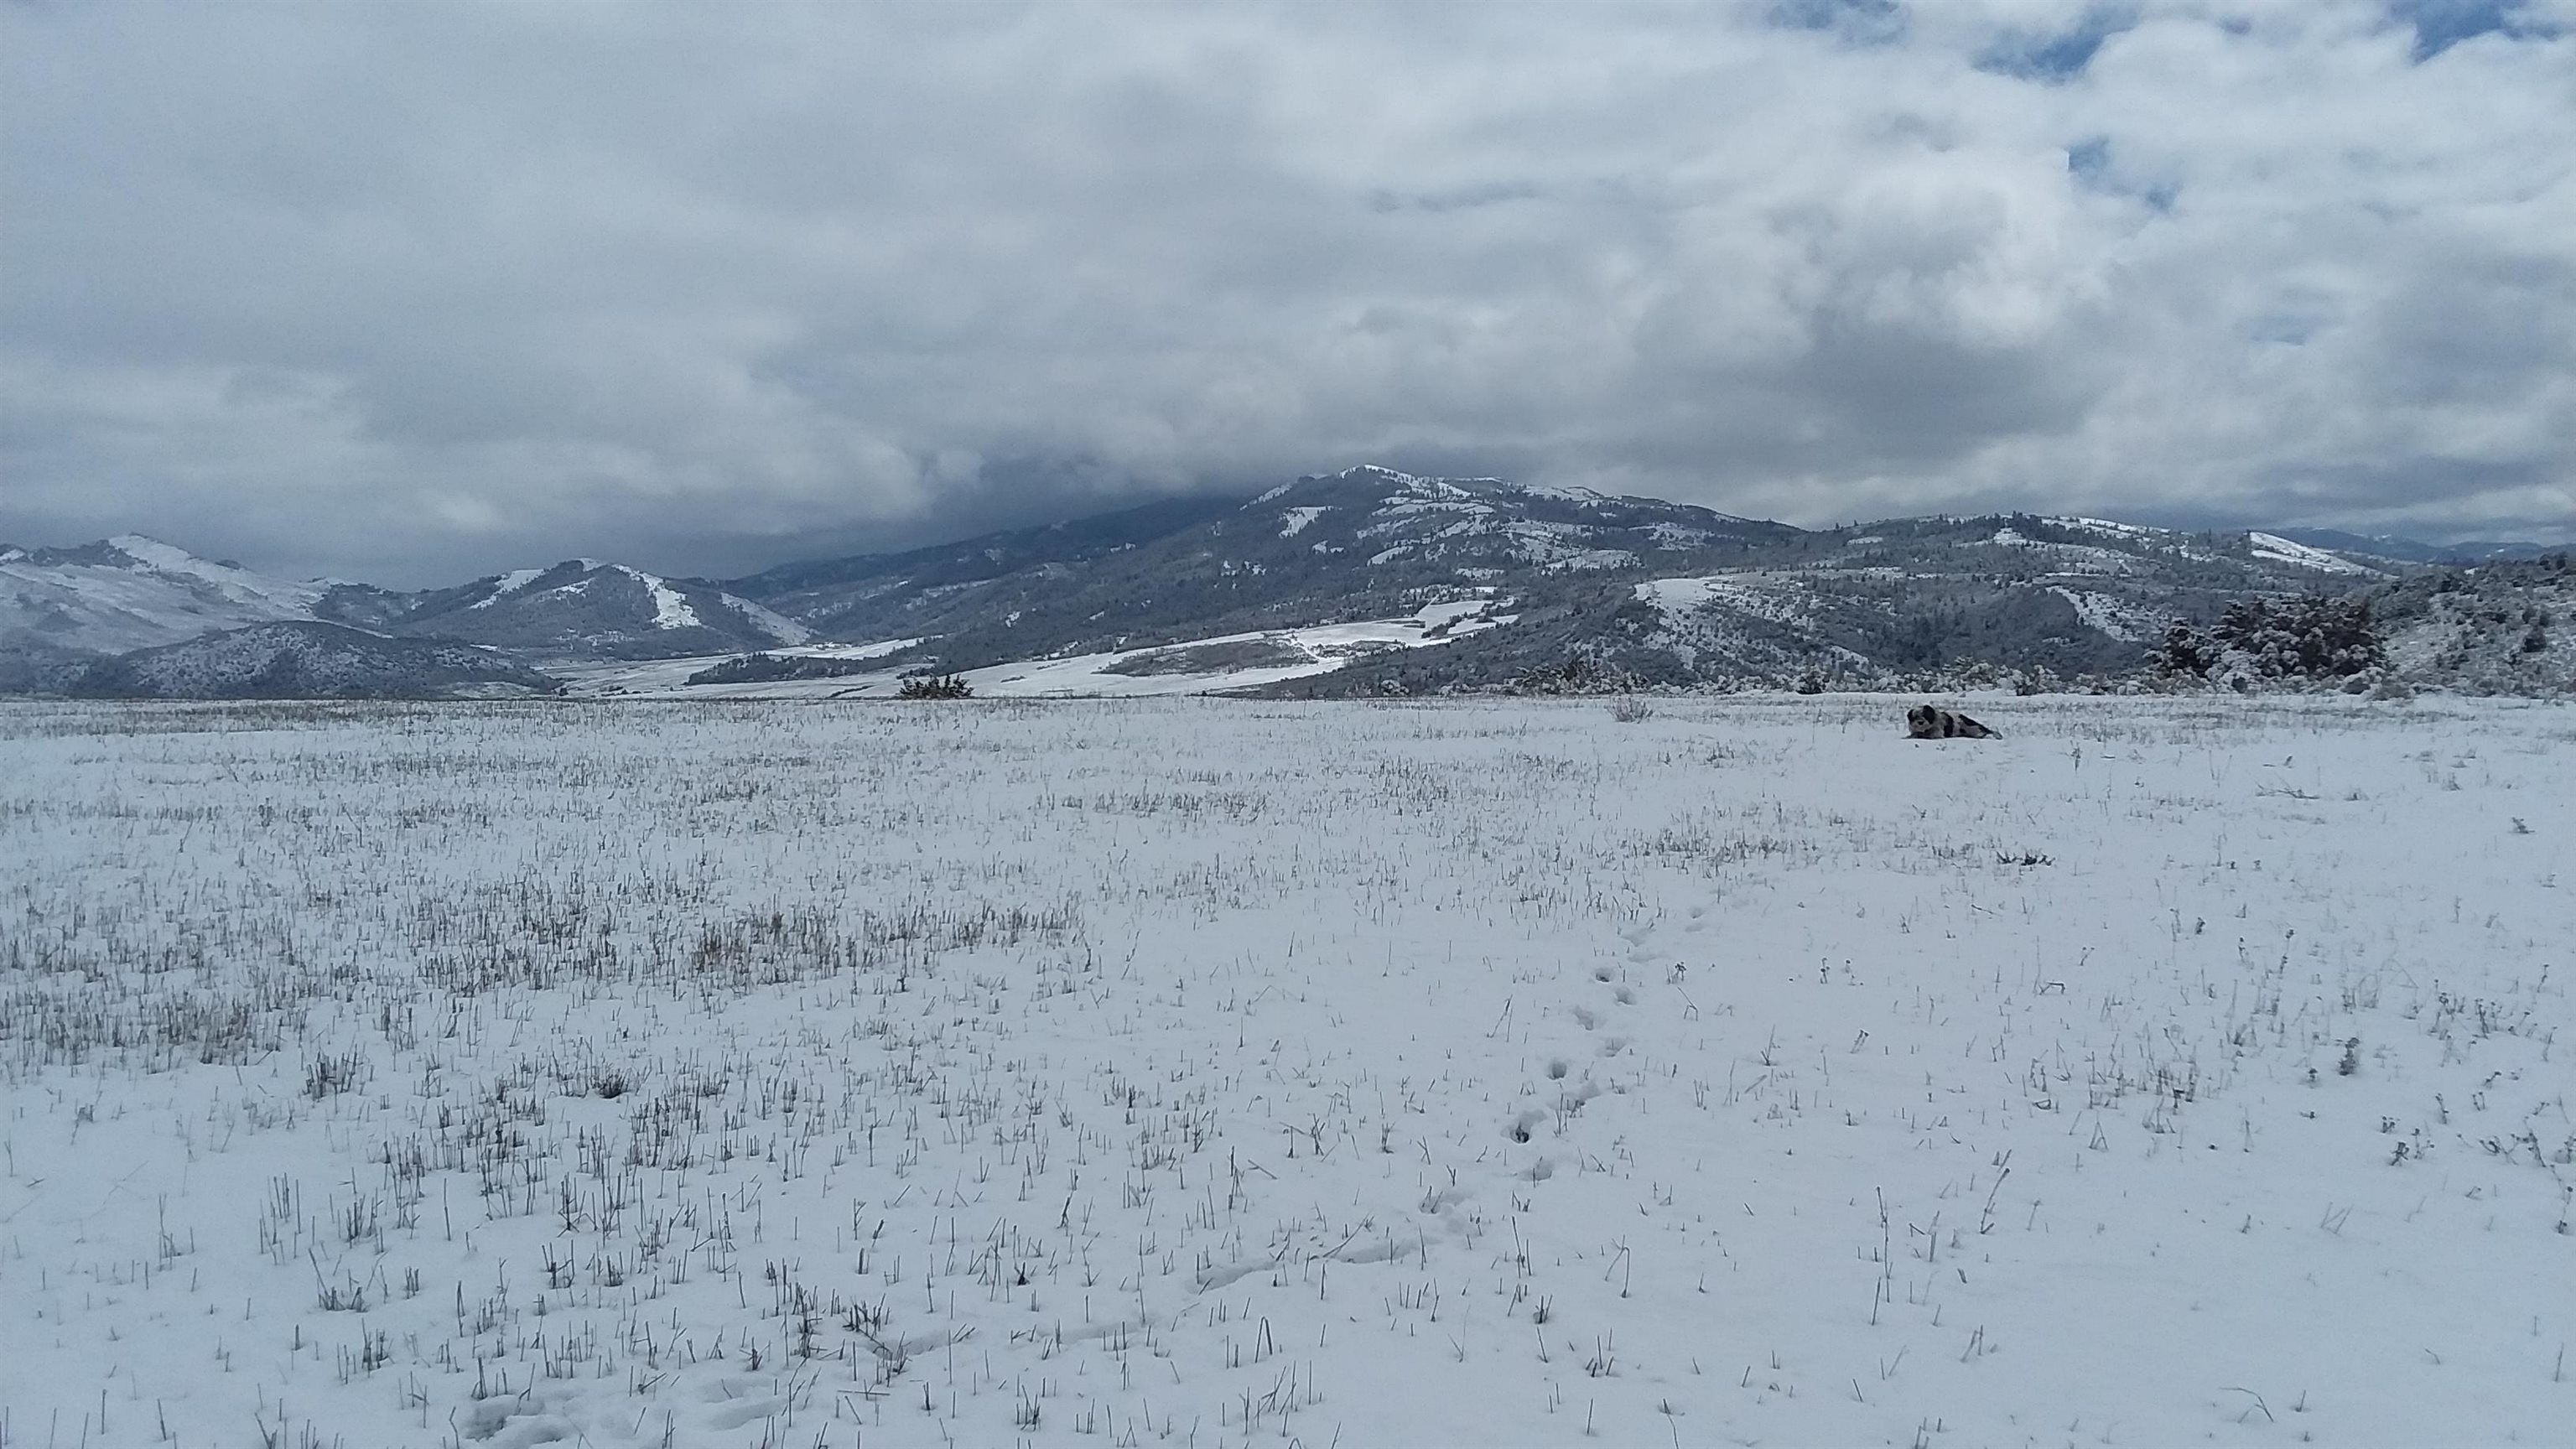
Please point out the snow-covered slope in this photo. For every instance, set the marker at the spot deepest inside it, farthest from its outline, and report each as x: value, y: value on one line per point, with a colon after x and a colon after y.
x: 2281, y: 550
x: 584, y: 608
x: 1674, y: 594
x: 308, y: 659
x: 1218, y: 665
x: 132, y: 592
x: 1231, y: 662
x: 2389, y: 548
x: 1670, y: 593
x: 1361, y: 544
x: 2499, y: 628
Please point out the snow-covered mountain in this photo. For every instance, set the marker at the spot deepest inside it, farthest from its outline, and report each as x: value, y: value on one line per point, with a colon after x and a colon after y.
x: 1208, y: 592
x: 1669, y: 592
x: 133, y: 592
x: 1363, y: 544
x: 2389, y: 548
x: 62, y: 606
x: 308, y: 659
x: 1901, y: 599
x: 586, y: 609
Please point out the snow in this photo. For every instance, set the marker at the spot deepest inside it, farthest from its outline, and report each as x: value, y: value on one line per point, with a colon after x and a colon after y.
x: 1294, y: 521
x: 671, y: 607
x: 599, y: 678
x: 877, y: 649
x: 670, y: 611
x: 1762, y: 594
x: 506, y: 585
x: 1581, y: 559
x: 1672, y: 535
x: 1461, y: 614
x: 235, y: 583
x: 2281, y: 550
x: 2117, y: 530
x: 169, y: 595
x: 1326, y: 647
x: 1201, y: 1071
x: 1561, y: 547
x: 2074, y: 558
x: 2110, y: 615
x: 1403, y: 479
x: 2162, y: 539
x: 1583, y: 496
x: 602, y: 677
x: 1099, y: 675
x: 776, y: 625
x: 1398, y: 517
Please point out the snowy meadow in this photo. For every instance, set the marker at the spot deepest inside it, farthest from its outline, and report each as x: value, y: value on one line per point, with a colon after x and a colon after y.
x: 1200, y: 1072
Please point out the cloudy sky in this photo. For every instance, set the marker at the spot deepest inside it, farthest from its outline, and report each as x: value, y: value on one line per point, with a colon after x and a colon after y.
x: 415, y: 291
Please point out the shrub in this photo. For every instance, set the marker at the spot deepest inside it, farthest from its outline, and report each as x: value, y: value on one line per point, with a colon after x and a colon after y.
x: 1579, y: 674
x: 935, y: 686
x: 2183, y: 651
x: 2311, y: 638
x: 772, y: 668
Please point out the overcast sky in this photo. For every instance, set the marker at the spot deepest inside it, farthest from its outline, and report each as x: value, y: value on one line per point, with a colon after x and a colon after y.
x: 410, y: 292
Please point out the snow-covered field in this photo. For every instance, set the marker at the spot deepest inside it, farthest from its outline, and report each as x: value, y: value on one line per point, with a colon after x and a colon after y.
x: 1196, y: 666
x: 1202, y: 1072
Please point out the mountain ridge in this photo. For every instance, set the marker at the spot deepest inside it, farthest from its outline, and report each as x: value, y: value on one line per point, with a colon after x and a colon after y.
x: 1659, y: 593
x: 308, y: 659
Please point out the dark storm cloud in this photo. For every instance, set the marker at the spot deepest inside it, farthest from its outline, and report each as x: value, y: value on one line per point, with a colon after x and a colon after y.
x: 410, y: 291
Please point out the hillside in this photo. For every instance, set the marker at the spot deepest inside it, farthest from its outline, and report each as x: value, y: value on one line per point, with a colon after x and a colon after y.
x: 308, y: 660
x: 1247, y: 592
x: 1366, y: 543
x: 1674, y: 594
x: 2499, y: 628
x: 583, y: 608
x: 133, y: 592
x: 1884, y: 605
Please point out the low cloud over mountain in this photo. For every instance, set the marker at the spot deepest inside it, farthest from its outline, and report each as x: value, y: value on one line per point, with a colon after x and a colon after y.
x: 419, y: 293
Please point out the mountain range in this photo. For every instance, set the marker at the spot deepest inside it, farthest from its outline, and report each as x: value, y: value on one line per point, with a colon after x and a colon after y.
x: 1364, y: 581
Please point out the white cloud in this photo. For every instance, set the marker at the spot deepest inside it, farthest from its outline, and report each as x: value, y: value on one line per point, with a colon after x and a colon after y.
x: 377, y: 288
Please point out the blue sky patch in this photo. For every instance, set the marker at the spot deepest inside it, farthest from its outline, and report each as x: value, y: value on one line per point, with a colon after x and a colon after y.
x: 2089, y: 159
x: 2055, y: 58
x: 2089, y: 162
x: 1859, y: 22
x: 2441, y: 24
